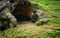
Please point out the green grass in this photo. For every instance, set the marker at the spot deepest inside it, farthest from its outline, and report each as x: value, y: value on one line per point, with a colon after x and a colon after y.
x: 47, y: 4
x: 37, y: 32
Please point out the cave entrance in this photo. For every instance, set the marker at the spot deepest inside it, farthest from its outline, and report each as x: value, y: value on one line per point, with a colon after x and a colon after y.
x: 23, y: 12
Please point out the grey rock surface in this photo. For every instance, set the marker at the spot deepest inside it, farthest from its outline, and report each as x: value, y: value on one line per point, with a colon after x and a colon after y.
x: 37, y: 15
x: 42, y: 21
x: 7, y: 20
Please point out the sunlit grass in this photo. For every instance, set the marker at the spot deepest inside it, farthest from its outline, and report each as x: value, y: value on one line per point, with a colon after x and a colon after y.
x: 37, y: 32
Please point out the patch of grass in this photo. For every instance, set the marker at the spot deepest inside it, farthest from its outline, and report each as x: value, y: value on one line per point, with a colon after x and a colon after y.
x: 37, y: 32
x: 48, y: 4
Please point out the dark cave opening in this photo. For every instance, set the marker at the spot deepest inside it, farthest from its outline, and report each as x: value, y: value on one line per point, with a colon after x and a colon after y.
x: 23, y: 18
x: 23, y: 12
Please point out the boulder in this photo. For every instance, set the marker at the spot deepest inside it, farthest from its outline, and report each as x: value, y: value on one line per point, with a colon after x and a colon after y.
x: 42, y: 21
x: 7, y: 19
x: 37, y: 15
